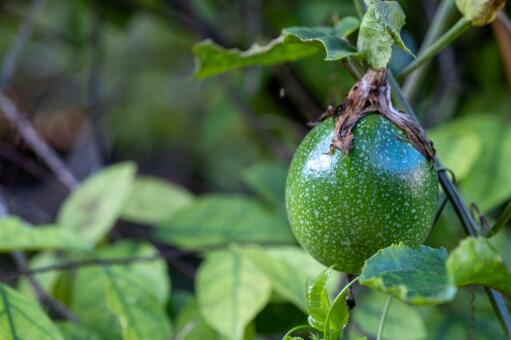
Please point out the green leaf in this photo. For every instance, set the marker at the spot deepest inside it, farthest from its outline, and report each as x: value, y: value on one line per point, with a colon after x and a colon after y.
x: 76, y: 331
x: 337, y: 317
x: 46, y: 280
x: 153, y: 201
x: 403, y: 322
x: 140, y: 314
x: 294, y: 43
x: 214, y: 220
x: 476, y: 261
x: 18, y: 235
x: 458, y: 149
x: 122, y: 292
x: 231, y: 290
x: 153, y: 273
x: 415, y: 275
x: 288, y: 268
x: 379, y: 30
x: 268, y: 180
x: 22, y: 318
x: 92, y: 210
x: 190, y: 325
x: 318, y: 302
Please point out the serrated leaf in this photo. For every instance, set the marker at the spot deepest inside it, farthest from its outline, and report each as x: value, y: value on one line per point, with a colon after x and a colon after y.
x: 379, y: 30
x: 476, y: 261
x: 152, y: 200
x: 95, y: 289
x: 268, y: 180
x: 231, y: 290
x: 288, y: 268
x: 15, y: 234
x: 318, y: 302
x: 294, y: 43
x: 22, y: 318
x: 415, y: 275
x: 94, y: 207
x: 219, y: 219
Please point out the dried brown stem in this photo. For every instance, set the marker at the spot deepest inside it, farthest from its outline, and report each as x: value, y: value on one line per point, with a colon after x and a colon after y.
x: 372, y: 94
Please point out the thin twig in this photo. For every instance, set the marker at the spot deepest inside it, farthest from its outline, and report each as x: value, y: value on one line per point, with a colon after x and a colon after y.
x: 37, y: 143
x: 22, y: 37
x: 42, y: 296
x: 503, y: 37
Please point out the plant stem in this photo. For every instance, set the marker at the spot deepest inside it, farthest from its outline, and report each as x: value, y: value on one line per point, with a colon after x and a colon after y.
x: 468, y: 223
x: 438, y: 25
x: 382, y: 318
x: 502, y: 221
x: 298, y: 328
x: 452, y: 34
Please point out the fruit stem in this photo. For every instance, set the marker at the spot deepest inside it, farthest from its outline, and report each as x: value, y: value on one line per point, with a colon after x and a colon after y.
x: 382, y: 318
x: 452, y: 34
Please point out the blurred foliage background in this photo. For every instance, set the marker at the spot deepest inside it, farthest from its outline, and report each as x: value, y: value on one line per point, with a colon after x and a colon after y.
x: 109, y: 81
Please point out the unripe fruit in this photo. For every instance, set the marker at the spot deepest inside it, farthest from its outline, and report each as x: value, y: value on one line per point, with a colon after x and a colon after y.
x: 343, y: 208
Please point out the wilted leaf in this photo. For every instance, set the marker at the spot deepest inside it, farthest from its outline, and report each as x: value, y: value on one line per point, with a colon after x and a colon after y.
x: 152, y: 200
x: 294, y: 43
x: 17, y: 235
x: 231, y: 290
x: 415, y: 275
x: 93, y: 208
x: 476, y: 261
x: 22, y: 318
x: 219, y: 219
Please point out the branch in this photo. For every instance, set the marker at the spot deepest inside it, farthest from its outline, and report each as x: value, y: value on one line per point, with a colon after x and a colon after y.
x: 11, y: 58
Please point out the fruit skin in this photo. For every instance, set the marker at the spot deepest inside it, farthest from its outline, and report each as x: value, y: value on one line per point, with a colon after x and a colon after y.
x: 344, y: 208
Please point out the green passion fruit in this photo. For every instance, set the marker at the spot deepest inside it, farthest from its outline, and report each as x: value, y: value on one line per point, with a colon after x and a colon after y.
x: 344, y: 207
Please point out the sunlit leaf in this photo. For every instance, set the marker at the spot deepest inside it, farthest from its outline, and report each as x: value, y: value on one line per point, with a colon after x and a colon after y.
x: 22, y: 318
x: 152, y: 200
x: 231, y: 290
x: 415, y: 275
x: 318, y: 302
x: 476, y: 261
x: 91, y: 211
x: 289, y: 269
x: 220, y: 219
x: 18, y: 235
x: 294, y: 43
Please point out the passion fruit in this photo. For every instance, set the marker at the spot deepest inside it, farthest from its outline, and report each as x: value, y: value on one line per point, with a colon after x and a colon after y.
x: 345, y: 206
